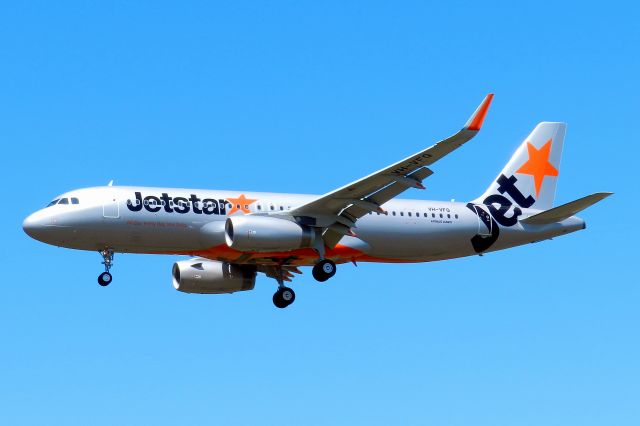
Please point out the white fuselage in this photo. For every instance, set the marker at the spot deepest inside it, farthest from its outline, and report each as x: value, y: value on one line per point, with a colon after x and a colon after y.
x: 191, y: 222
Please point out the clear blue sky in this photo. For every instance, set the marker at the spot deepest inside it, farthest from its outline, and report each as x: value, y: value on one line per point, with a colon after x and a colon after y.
x: 304, y: 97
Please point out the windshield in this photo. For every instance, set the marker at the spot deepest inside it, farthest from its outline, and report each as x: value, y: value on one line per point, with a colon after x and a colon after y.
x: 72, y: 200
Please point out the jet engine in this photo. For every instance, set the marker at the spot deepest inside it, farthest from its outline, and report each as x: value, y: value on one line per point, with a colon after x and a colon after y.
x: 211, y: 277
x: 263, y: 234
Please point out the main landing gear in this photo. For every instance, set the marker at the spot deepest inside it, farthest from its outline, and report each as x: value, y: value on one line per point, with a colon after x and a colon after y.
x: 283, y: 297
x: 324, y: 270
x: 104, y: 279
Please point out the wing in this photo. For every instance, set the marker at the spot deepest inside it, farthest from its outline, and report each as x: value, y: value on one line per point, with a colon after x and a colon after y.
x: 337, y: 211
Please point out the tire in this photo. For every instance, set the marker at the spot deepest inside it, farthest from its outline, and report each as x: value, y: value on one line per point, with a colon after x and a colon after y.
x: 104, y: 279
x: 283, y: 297
x: 324, y: 270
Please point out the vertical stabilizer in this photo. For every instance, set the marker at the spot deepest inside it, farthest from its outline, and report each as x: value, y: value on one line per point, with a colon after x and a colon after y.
x: 529, y: 179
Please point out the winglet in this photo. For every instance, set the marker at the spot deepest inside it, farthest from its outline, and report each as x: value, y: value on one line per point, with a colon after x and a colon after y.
x: 475, y: 122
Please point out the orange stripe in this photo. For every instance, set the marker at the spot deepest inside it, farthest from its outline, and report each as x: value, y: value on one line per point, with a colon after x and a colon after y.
x: 300, y: 257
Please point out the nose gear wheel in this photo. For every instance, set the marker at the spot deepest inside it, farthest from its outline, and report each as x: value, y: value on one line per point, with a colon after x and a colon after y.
x: 105, y: 278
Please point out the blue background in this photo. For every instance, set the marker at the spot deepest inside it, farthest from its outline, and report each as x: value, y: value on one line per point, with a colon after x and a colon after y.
x: 305, y: 97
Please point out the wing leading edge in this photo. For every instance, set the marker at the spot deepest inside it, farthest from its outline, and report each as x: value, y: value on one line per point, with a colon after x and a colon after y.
x: 338, y: 210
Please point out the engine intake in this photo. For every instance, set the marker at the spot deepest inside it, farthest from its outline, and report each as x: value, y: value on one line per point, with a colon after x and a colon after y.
x: 263, y: 234
x: 211, y: 277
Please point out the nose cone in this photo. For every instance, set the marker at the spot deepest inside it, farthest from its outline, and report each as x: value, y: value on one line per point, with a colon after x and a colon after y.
x: 34, y: 226
x: 51, y: 227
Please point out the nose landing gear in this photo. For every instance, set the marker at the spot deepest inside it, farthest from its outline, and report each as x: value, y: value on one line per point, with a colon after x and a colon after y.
x: 105, y: 278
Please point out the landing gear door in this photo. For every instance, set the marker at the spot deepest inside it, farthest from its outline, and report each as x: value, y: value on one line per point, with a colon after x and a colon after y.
x: 485, y: 223
x: 110, y: 207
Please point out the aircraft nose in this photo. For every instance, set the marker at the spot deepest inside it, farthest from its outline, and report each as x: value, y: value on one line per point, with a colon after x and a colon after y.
x: 33, y: 225
x: 49, y: 227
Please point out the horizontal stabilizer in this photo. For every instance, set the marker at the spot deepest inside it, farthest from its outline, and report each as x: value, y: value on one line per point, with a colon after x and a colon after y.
x: 560, y: 213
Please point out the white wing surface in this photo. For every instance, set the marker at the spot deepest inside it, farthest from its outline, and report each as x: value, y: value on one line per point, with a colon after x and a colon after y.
x: 338, y: 210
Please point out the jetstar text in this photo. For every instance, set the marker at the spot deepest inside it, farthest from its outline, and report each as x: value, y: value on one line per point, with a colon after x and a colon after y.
x: 181, y: 205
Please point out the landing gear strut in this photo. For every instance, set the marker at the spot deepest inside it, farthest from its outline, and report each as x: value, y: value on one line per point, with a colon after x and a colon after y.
x: 104, y: 279
x: 324, y: 270
x: 284, y: 296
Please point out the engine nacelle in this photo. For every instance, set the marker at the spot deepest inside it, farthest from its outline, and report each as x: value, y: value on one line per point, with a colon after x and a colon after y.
x: 211, y: 277
x: 264, y: 233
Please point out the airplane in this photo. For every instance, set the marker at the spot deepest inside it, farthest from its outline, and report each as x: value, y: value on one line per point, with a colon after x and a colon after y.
x: 231, y: 236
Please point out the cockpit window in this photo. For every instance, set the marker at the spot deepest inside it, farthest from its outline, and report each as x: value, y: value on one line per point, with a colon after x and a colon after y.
x: 53, y: 203
x: 74, y: 200
x: 64, y: 201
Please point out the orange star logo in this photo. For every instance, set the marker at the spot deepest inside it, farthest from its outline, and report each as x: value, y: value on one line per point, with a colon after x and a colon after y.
x: 538, y: 164
x: 240, y: 204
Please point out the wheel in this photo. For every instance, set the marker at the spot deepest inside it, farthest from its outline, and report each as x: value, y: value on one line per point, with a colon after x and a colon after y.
x: 283, y: 297
x: 104, y: 279
x: 324, y: 270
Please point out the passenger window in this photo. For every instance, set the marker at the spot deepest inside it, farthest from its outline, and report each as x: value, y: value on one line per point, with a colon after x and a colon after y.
x: 74, y: 200
x: 409, y: 214
x: 259, y: 207
x: 433, y: 215
x: 271, y: 207
x: 425, y: 215
x: 401, y: 213
x: 393, y: 213
x: 281, y: 208
x: 456, y: 216
x: 448, y: 216
x: 440, y: 215
x: 64, y: 201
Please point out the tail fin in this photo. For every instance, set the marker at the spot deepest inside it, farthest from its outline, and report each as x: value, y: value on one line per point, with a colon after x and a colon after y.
x: 529, y: 179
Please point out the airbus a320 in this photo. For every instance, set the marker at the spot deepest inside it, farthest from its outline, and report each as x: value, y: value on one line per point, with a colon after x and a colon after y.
x: 231, y: 236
